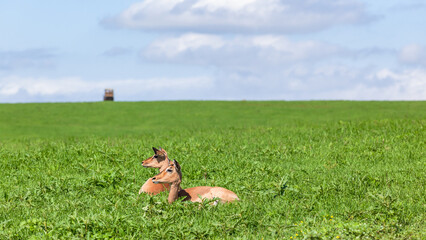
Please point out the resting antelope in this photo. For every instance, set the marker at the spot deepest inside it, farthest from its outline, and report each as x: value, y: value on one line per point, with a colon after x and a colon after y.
x: 173, y: 175
x: 158, y: 160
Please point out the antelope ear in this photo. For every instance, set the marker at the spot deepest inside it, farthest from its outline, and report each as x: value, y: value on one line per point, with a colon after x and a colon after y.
x: 176, y: 165
x: 161, y: 152
x: 164, y: 152
x: 155, y: 150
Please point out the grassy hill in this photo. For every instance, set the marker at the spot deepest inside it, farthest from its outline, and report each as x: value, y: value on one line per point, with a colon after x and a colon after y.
x: 136, y: 118
x: 301, y: 169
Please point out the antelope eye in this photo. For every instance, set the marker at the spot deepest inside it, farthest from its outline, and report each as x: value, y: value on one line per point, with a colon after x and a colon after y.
x: 155, y: 156
x: 169, y: 170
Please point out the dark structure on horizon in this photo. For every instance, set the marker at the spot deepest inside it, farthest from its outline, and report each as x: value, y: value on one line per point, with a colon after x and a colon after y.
x: 109, y: 94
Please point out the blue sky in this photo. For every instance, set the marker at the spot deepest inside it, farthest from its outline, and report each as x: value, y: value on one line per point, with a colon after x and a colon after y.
x: 56, y: 51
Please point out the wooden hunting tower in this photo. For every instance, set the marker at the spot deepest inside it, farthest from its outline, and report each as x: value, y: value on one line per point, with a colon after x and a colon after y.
x: 109, y: 94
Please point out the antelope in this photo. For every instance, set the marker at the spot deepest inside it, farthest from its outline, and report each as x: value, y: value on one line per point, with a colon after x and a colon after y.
x: 159, y: 160
x: 172, y: 175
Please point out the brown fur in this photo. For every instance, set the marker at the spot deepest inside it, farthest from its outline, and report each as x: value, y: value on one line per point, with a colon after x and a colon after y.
x: 158, y: 160
x: 173, y: 175
x: 153, y: 189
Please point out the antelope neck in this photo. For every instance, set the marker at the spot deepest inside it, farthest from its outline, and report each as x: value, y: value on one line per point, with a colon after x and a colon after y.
x: 162, y: 168
x: 174, y: 191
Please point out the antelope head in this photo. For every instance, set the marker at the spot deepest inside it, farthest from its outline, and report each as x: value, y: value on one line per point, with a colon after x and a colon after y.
x: 171, y: 174
x: 157, y: 160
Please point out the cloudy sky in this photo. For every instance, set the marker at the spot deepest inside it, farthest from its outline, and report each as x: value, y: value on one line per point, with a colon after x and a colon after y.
x: 56, y: 51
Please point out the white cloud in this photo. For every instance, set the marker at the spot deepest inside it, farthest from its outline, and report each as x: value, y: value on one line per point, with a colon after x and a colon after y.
x: 15, y: 88
x: 241, y: 52
x: 302, y: 50
x: 261, y: 16
x: 386, y: 84
x: 29, y: 58
x: 327, y: 83
x: 172, y: 47
x: 42, y: 86
x: 275, y: 67
x: 296, y: 82
x: 413, y: 54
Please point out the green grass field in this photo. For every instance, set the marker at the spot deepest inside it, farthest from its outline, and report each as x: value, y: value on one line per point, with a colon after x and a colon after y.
x: 303, y: 170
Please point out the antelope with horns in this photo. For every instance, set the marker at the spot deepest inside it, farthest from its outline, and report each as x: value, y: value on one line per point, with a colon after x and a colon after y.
x: 172, y: 175
x: 159, y: 160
